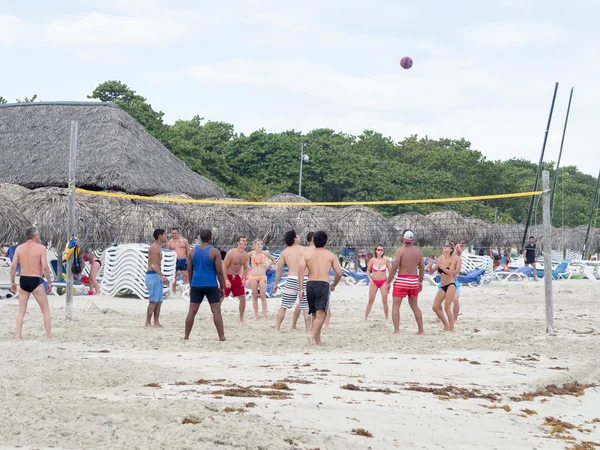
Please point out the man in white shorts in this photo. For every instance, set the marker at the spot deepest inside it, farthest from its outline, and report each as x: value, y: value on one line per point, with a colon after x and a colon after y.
x: 291, y: 257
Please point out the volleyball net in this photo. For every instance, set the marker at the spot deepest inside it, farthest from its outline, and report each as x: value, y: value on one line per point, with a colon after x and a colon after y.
x: 109, y: 218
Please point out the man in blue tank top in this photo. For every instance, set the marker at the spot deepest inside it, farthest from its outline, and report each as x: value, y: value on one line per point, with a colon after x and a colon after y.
x: 205, y: 268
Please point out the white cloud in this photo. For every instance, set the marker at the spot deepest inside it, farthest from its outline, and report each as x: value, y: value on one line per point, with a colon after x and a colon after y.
x: 513, y: 34
x: 103, y: 29
x: 10, y: 28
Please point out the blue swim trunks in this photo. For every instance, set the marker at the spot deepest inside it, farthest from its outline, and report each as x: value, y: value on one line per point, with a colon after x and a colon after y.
x: 154, y: 284
x: 181, y: 264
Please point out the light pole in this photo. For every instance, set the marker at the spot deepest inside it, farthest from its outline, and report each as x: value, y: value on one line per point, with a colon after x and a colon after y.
x: 303, y: 158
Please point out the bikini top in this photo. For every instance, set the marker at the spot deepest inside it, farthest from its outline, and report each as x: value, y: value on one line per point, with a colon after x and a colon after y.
x: 258, y: 262
x: 374, y: 268
x: 442, y: 271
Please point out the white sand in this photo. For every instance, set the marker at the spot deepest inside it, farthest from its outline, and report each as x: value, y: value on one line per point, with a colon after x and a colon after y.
x: 65, y: 394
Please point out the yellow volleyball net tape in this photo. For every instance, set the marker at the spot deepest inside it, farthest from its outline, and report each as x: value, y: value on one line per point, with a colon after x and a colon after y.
x: 356, y: 203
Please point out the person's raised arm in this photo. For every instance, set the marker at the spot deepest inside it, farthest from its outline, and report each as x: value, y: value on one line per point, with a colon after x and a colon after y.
x: 13, y: 271
x: 279, y: 271
x: 395, y: 266
x: 216, y: 256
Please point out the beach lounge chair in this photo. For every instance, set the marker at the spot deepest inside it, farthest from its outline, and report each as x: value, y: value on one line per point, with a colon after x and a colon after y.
x: 558, y: 272
x: 125, y: 270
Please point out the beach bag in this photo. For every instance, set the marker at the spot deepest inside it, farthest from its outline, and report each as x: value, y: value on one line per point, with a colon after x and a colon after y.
x: 76, y: 267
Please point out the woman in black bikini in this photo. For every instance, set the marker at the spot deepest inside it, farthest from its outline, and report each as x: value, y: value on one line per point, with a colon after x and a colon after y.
x: 446, y: 267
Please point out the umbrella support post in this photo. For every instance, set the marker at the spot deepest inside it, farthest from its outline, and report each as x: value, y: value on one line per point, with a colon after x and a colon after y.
x: 71, y: 223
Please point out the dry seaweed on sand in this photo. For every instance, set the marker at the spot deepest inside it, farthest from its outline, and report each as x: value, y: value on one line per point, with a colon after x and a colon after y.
x: 574, y: 389
x: 558, y: 426
x: 297, y: 381
x: 529, y: 412
x: 153, y: 385
x: 249, y: 392
x: 455, y: 392
x: 353, y: 387
x: 229, y: 409
x: 362, y: 432
x: 504, y: 407
x: 585, y: 445
x: 191, y: 420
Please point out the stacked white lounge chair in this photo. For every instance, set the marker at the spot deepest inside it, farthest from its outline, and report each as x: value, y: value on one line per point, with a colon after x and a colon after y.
x: 125, y: 269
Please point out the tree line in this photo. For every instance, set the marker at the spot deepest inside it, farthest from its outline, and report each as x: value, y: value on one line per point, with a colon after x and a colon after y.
x: 344, y: 167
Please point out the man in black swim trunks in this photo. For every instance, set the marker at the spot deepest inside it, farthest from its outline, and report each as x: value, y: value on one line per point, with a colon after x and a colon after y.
x: 529, y: 253
x: 207, y: 279
x: 319, y: 261
x: 32, y: 257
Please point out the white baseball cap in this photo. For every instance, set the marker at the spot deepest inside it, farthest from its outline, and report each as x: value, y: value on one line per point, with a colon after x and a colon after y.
x: 408, y: 236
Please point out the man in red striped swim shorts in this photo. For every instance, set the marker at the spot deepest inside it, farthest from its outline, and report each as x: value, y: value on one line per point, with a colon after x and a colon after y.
x: 410, y: 267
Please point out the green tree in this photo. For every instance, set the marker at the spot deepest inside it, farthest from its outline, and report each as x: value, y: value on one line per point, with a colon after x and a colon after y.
x: 3, y: 101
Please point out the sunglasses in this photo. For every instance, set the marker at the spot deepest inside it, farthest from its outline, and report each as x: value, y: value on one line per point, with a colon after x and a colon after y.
x: 381, y: 249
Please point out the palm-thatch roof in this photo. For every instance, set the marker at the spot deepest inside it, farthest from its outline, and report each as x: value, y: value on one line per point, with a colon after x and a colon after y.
x: 454, y: 227
x: 574, y: 238
x: 364, y: 227
x: 427, y: 233
x: 48, y: 210
x: 302, y: 219
x: 12, y: 191
x: 12, y: 222
x: 114, y: 151
x: 227, y: 222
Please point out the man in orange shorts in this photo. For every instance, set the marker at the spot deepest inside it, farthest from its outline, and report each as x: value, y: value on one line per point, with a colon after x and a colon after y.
x: 235, y: 267
x: 409, y: 264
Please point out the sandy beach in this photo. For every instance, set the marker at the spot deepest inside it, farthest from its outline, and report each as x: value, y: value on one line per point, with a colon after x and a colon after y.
x: 106, y: 382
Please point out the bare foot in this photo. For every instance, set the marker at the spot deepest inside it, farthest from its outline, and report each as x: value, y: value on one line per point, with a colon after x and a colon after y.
x: 395, y: 332
x: 148, y: 325
x: 222, y: 338
x: 19, y: 337
x: 420, y: 332
x: 186, y: 338
x: 158, y: 325
x: 309, y: 340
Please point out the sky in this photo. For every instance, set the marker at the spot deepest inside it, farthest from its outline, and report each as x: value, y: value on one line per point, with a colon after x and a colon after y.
x: 483, y: 71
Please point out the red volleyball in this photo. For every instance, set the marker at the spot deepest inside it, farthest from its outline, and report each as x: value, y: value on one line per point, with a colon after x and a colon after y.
x: 406, y: 62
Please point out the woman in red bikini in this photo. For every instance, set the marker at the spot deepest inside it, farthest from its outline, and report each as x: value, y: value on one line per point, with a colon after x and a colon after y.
x: 95, y: 264
x: 377, y: 270
x: 257, y: 278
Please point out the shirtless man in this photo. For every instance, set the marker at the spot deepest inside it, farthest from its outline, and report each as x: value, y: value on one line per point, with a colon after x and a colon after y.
x: 407, y: 260
x: 236, y: 269
x: 311, y: 245
x: 319, y: 262
x: 181, y: 247
x: 155, y: 278
x: 291, y: 257
x: 32, y: 257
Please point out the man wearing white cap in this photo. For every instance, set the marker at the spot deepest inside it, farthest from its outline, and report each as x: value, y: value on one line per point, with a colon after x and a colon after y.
x: 408, y: 263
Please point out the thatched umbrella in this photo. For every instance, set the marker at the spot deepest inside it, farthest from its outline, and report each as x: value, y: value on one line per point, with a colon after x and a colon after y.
x: 114, y: 151
x: 509, y: 235
x: 12, y: 191
x: 574, y: 238
x: 427, y: 233
x: 227, y: 222
x: 300, y: 218
x: 48, y: 210
x: 364, y: 227
x: 454, y: 226
x: 12, y: 222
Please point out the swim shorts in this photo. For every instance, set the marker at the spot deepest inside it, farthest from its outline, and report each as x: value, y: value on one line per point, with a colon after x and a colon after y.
x: 290, y: 293
x: 317, y: 293
x: 154, y: 283
x: 181, y: 264
x: 406, y: 286
x: 212, y: 293
x: 237, y: 286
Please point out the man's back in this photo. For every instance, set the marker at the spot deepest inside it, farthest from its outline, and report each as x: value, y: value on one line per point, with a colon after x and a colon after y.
x: 204, y: 267
x: 410, y: 257
x: 291, y: 256
x: 319, y: 262
x: 30, y: 256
